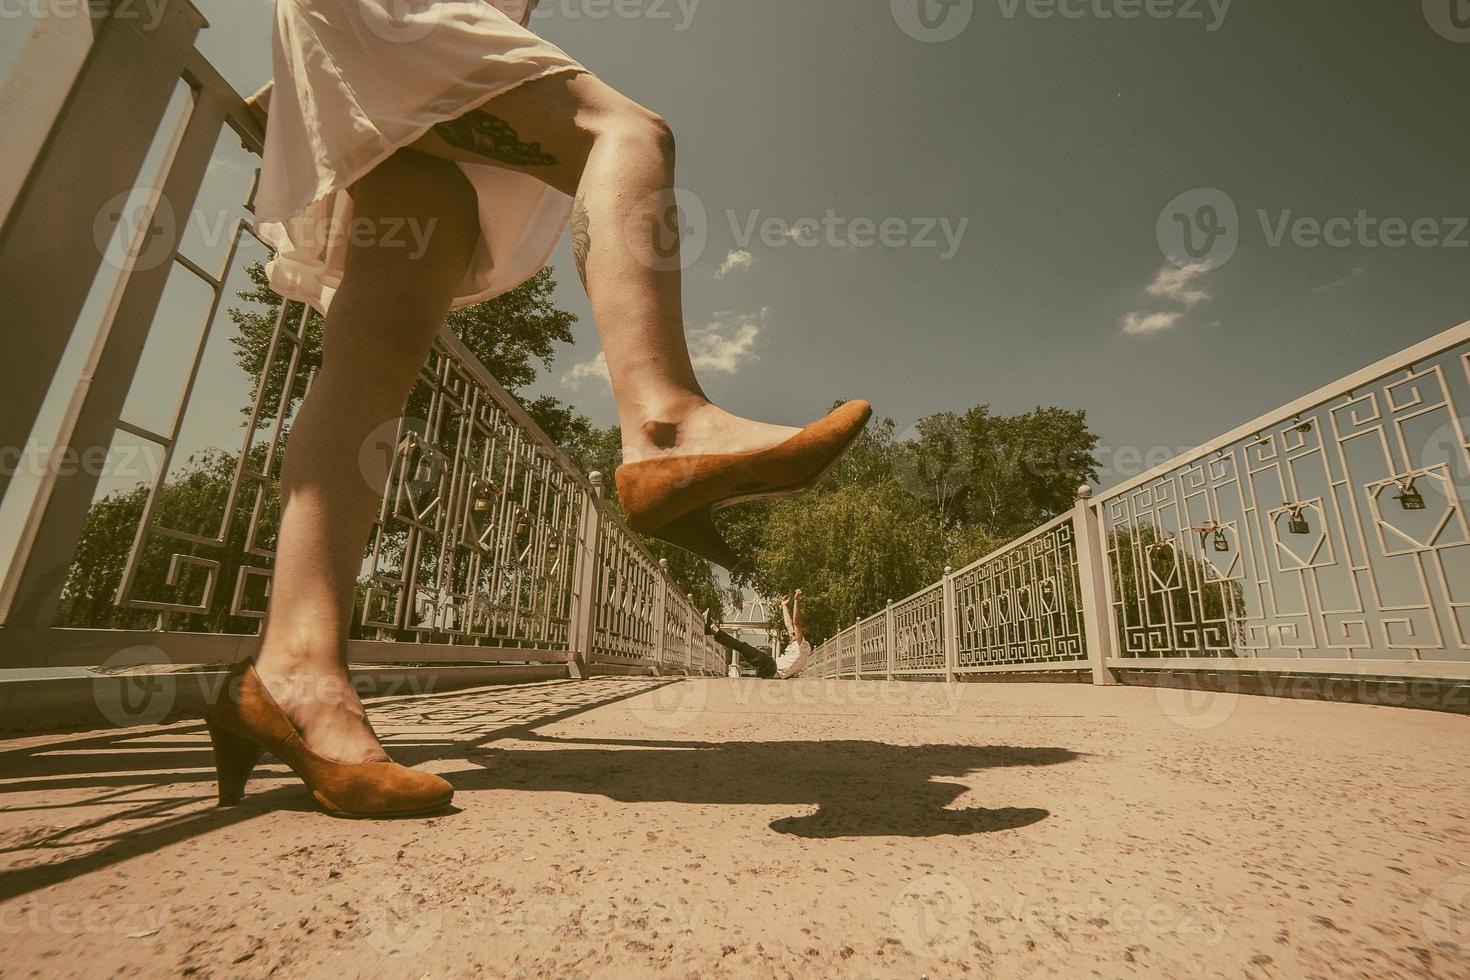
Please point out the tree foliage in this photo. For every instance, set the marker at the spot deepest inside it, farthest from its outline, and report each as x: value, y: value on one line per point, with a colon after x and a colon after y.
x: 896, y: 511
x: 513, y: 335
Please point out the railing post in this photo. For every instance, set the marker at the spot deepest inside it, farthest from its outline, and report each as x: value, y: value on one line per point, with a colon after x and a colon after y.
x: 661, y: 617
x: 689, y: 644
x: 888, y: 650
x: 949, y: 626
x: 585, y: 583
x: 79, y: 112
x: 1092, y: 581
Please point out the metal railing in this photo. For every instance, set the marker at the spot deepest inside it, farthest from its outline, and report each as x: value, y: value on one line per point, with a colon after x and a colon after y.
x: 490, y: 547
x: 1327, y: 537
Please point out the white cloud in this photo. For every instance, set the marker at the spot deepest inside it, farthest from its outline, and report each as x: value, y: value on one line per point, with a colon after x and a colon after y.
x: 1148, y: 322
x: 1178, y: 284
x: 595, y: 368
x: 723, y: 346
x: 1328, y: 287
x: 726, y: 343
x: 738, y: 259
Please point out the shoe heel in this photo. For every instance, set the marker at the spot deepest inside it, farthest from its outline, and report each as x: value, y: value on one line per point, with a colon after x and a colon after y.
x: 234, y: 759
x: 696, y: 533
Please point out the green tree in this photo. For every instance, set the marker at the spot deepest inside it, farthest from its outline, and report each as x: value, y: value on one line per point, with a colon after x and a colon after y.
x: 510, y: 334
x: 849, y: 550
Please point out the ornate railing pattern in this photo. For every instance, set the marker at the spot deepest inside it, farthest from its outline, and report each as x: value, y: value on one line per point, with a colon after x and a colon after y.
x: 918, y: 632
x: 1336, y: 530
x: 1023, y: 604
x: 489, y: 546
x: 872, y: 642
x: 626, y: 628
x: 677, y: 626
x: 1330, y: 536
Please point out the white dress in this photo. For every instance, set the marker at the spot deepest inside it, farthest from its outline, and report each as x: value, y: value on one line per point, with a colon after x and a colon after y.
x: 356, y: 80
x: 792, y: 659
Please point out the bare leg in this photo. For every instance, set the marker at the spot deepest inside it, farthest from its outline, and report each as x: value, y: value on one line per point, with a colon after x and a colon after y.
x: 377, y: 335
x: 578, y: 135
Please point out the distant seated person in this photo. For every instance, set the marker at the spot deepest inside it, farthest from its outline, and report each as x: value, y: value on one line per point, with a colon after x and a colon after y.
x: 797, y: 652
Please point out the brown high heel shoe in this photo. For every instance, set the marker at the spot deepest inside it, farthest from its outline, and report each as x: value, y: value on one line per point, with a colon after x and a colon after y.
x: 674, y: 498
x: 246, y: 722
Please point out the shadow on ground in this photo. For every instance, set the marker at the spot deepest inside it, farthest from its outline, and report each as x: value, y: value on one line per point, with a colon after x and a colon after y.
x: 859, y: 788
x: 83, y: 802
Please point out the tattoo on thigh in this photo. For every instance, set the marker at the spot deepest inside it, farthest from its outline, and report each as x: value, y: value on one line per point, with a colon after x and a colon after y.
x: 581, y: 237
x: 493, y: 137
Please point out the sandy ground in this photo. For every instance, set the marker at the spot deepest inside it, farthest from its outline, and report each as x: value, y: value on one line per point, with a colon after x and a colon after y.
x: 617, y: 827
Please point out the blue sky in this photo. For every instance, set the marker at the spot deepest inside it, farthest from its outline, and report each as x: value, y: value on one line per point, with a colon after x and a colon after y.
x: 986, y: 219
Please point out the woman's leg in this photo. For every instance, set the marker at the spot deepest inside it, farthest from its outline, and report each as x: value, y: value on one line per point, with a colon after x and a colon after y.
x: 616, y: 158
x: 382, y: 322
